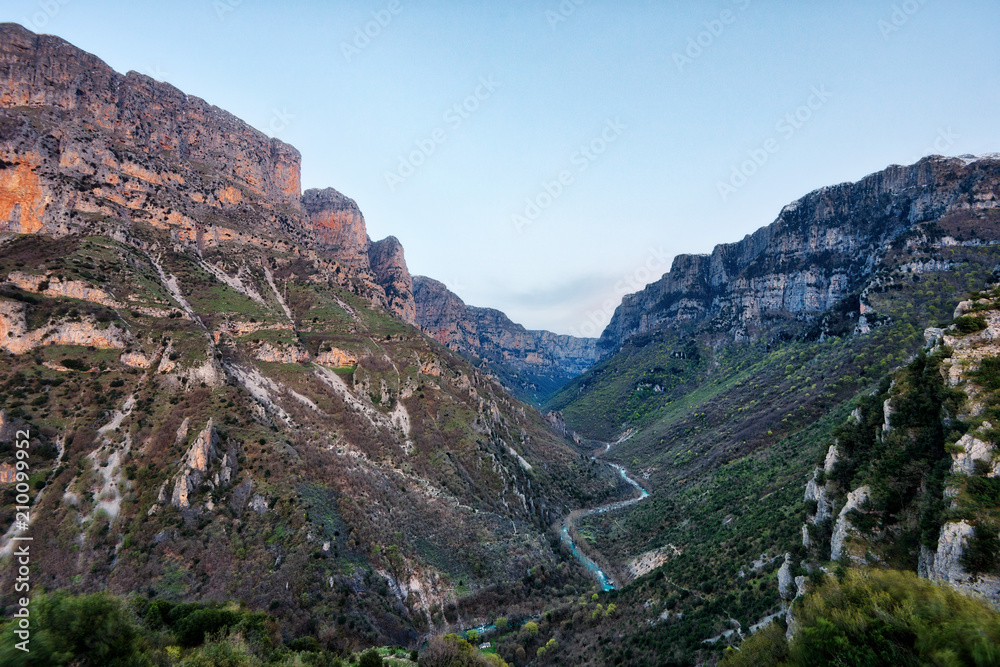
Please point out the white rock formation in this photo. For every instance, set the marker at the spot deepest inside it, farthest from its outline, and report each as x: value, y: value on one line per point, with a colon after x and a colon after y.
x: 786, y: 582
x: 973, y: 449
x: 843, y: 526
x: 945, y: 565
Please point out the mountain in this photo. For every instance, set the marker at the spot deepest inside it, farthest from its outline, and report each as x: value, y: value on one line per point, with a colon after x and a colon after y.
x: 821, y: 249
x: 531, y: 364
x: 724, y: 384
x: 223, y: 392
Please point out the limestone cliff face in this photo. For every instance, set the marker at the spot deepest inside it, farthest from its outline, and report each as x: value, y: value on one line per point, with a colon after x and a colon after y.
x: 338, y: 225
x: 389, y: 267
x: 529, y: 362
x: 42, y: 71
x: 84, y: 149
x: 821, y: 248
x: 974, y: 455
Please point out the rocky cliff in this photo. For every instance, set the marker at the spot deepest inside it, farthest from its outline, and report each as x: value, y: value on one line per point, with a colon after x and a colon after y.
x: 822, y: 248
x: 84, y: 148
x: 533, y: 364
x: 338, y: 225
x: 389, y: 266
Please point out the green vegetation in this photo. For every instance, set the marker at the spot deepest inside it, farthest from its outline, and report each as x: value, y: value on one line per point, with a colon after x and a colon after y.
x: 453, y: 651
x: 967, y: 324
x: 879, y: 617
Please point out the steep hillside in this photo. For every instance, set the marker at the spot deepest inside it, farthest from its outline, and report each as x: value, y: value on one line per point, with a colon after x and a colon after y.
x: 224, y: 398
x: 532, y: 364
x: 722, y: 414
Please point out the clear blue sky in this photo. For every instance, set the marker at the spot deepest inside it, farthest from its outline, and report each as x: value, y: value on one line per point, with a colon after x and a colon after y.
x: 669, y: 96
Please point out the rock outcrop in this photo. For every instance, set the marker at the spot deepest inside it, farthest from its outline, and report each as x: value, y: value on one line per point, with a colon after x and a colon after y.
x: 945, y: 564
x: 17, y: 339
x: 338, y: 225
x: 530, y: 363
x: 842, y: 529
x: 821, y: 249
x: 202, y: 466
x: 389, y: 267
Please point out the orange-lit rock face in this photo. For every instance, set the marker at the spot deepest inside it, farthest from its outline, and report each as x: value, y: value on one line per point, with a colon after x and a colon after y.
x: 338, y: 225
x: 42, y: 71
x: 22, y: 200
x: 230, y: 195
x: 288, y: 177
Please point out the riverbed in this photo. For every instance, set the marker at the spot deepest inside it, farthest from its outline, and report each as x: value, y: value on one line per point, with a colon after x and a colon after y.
x: 606, y: 582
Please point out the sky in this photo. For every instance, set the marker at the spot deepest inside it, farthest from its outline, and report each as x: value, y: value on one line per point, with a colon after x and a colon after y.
x: 547, y: 157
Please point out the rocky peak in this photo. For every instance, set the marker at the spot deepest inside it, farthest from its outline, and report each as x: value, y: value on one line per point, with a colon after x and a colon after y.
x: 389, y: 267
x: 203, y: 449
x: 338, y: 225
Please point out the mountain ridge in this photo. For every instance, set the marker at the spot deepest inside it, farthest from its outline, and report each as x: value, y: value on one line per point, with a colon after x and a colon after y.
x: 731, y: 287
x: 534, y: 364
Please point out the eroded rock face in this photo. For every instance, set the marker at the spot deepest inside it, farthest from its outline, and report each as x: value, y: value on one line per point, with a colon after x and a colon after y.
x: 202, y: 464
x: 541, y: 357
x: 389, y: 267
x: 46, y: 71
x: 17, y: 339
x: 336, y: 358
x: 820, y: 249
x: 972, y: 450
x: 338, y: 225
x: 786, y: 582
x: 842, y: 528
x: 946, y: 563
x: 820, y: 493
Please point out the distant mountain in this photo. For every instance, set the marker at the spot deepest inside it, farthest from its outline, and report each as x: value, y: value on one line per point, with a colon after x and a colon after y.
x: 532, y: 364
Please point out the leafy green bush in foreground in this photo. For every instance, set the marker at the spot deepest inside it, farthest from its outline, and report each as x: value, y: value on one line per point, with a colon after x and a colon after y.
x: 879, y: 617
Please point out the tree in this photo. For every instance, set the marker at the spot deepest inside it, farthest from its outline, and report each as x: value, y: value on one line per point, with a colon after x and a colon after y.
x: 501, y: 624
x: 370, y: 658
x: 531, y: 628
x: 93, y: 629
x: 472, y: 637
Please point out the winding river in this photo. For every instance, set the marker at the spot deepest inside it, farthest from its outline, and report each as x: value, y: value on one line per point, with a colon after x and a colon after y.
x: 607, y: 584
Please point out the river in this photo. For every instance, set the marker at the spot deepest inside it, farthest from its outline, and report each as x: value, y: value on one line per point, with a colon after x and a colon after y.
x: 606, y: 582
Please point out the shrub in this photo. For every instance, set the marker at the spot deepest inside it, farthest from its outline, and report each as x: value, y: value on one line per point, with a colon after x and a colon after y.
x: 880, y: 617
x: 92, y: 630
x: 980, y: 555
x: 968, y: 324
x: 370, y: 658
